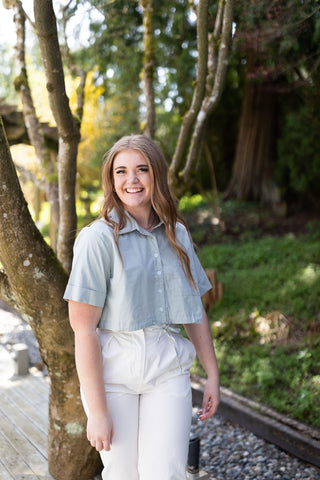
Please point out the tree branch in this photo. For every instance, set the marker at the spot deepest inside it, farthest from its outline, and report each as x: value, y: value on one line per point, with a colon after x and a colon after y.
x: 199, y: 92
x: 75, y: 70
x: 34, y: 128
x: 211, y: 100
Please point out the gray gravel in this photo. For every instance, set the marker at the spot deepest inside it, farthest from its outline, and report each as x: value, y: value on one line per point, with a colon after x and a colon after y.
x: 227, y: 452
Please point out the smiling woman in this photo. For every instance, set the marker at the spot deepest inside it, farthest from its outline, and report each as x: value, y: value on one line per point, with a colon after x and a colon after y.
x: 135, y: 279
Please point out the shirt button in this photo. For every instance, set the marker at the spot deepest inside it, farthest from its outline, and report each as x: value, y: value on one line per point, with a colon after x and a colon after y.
x: 161, y: 309
x: 159, y: 272
x: 160, y: 290
x: 155, y: 255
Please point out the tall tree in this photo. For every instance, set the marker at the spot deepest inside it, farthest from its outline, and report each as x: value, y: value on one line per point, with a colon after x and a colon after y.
x: 277, y: 42
x: 33, y: 279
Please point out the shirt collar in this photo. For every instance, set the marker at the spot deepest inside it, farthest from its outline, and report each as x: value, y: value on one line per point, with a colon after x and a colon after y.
x: 131, y: 224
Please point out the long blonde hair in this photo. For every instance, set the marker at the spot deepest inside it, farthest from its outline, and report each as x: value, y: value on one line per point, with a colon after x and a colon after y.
x: 162, y: 200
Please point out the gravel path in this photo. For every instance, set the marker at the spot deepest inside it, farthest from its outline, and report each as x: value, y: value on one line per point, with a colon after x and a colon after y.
x: 228, y: 452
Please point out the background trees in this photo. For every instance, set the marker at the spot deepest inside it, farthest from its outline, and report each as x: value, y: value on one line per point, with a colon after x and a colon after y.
x: 33, y: 277
x: 265, y: 120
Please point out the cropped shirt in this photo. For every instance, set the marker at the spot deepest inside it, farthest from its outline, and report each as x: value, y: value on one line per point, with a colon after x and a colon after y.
x: 148, y: 288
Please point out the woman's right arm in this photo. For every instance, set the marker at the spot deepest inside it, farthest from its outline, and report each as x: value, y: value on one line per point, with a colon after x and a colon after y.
x: 84, y: 319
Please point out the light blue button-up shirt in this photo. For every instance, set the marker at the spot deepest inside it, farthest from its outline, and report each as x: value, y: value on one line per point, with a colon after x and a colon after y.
x: 149, y: 288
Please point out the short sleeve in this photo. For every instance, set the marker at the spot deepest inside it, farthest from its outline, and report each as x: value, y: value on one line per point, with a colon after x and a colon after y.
x: 90, y: 272
x: 200, y: 276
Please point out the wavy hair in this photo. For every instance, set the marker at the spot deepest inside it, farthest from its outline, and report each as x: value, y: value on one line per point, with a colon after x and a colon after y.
x: 162, y: 200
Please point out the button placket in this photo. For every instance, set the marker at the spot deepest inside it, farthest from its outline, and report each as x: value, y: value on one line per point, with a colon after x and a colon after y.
x: 160, y: 300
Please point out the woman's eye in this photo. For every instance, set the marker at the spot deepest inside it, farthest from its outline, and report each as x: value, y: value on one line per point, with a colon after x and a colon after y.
x: 119, y: 172
x: 143, y: 169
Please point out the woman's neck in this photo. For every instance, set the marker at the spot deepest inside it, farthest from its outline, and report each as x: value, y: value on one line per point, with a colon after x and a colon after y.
x: 147, y: 220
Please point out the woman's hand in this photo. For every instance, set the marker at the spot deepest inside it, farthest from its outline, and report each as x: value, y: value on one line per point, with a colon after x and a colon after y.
x: 100, y: 431
x: 200, y: 336
x: 211, y: 399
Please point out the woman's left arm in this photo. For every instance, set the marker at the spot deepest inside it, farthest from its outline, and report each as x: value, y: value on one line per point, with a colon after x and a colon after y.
x: 200, y: 336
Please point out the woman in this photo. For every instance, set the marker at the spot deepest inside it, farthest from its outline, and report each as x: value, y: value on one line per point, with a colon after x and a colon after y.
x: 135, y: 279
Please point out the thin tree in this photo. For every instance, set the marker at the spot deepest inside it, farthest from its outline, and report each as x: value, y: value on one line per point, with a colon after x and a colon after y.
x: 213, y: 51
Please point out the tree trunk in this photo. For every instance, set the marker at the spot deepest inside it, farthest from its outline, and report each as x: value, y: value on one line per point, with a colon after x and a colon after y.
x: 33, y: 281
x: 148, y: 65
x: 47, y: 162
x: 252, y: 169
x: 198, y: 95
x: 69, y: 136
x: 206, y: 95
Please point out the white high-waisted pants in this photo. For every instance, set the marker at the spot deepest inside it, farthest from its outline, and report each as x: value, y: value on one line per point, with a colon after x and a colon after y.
x: 147, y: 383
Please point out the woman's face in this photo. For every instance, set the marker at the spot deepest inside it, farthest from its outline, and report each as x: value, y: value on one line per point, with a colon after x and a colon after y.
x: 132, y: 181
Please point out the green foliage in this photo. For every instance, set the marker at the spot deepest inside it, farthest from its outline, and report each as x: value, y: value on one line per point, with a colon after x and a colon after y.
x: 285, y: 378
x: 188, y: 204
x: 265, y: 327
x: 298, y: 166
x: 268, y: 274
x: 7, y: 73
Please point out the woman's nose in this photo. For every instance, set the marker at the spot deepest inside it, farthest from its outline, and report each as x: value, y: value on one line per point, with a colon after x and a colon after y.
x: 132, y: 177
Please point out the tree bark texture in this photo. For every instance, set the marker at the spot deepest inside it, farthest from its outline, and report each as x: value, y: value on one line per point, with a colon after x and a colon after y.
x: 148, y: 65
x: 47, y: 163
x: 252, y: 169
x: 68, y: 131
x: 33, y: 281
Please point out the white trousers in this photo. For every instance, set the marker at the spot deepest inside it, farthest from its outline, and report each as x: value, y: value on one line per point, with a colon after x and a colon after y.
x: 147, y: 383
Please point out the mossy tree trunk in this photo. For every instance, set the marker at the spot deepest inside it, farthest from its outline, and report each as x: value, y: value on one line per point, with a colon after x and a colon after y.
x: 33, y: 281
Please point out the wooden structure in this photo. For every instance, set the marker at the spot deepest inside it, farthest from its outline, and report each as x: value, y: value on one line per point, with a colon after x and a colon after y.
x: 23, y: 428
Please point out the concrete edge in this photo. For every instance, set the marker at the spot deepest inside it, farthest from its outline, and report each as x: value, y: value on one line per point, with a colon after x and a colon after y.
x: 292, y: 436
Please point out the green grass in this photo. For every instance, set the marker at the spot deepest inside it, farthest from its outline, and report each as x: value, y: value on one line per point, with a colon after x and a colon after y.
x: 267, y: 325
x: 273, y: 273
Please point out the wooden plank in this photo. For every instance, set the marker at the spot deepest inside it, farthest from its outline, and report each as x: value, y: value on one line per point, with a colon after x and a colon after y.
x: 14, y: 463
x: 30, y: 392
x: 24, y: 425
x: 28, y: 409
x: 4, y: 474
x: 22, y: 447
x: 29, y: 383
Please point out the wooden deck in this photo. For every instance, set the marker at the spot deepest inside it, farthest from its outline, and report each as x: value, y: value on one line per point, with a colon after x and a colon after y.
x: 23, y: 424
